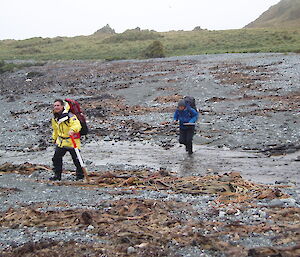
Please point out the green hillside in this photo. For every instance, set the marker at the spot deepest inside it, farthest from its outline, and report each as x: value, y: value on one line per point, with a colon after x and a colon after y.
x: 285, y: 14
x: 132, y: 44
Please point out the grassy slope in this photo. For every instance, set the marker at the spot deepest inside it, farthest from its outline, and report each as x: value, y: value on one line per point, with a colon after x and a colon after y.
x: 175, y: 43
x: 285, y: 14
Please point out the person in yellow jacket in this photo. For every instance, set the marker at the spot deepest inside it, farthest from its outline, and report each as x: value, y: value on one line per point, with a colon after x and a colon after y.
x: 64, y: 124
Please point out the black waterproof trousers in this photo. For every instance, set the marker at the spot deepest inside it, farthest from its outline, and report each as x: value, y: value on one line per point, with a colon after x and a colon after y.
x: 58, y: 161
x: 186, y: 138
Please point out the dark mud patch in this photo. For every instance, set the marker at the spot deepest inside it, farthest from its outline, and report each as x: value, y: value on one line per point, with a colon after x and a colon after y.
x: 4, y: 191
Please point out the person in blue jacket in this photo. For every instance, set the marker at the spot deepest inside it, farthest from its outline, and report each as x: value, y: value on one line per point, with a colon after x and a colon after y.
x: 187, y: 116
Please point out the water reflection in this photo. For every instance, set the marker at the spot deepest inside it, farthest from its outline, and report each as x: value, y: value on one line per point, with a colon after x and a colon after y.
x: 188, y: 166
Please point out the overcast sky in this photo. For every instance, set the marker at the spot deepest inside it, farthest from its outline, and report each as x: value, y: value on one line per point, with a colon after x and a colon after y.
x: 21, y: 19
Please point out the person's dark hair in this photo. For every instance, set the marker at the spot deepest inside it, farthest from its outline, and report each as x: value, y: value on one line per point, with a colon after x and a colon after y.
x: 182, y: 103
x: 59, y: 100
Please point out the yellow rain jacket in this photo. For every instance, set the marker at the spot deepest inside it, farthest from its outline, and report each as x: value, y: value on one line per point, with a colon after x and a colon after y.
x: 61, y: 128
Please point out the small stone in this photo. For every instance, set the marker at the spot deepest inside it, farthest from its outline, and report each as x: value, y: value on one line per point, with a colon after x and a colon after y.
x: 131, y: 250
x: 238, y: 212
x: 290, y: 202
x: 144, y: 245
x: 11, y: 99
x: 276, y: 202
x: 35, y: 174
x: 88, y: 162
x: 35, y: 149
x: 231, y: 211
x: 90, y: 227
x: 222, y: 214
x: 279, y: 182
x: 107, y: 138
x: 262, y: 214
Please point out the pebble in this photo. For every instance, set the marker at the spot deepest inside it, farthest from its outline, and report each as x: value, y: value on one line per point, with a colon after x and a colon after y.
x: 290, y: 202
x: 107, y: 138
x: 238, y: 212
x: 131, y: 250
x: 262, y: 214
x: 222, y: 214
x: 276, y: 202
x: 35, y: 174
x: 143, y: 245
x: 279, y: 182
x: 88, y: 162
x: 90, y: 227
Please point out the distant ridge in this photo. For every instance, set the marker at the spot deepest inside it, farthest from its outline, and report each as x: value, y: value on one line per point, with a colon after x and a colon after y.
x: 285, y: 14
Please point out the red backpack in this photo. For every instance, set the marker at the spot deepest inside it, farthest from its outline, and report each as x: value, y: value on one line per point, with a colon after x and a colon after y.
x: 76, y: 110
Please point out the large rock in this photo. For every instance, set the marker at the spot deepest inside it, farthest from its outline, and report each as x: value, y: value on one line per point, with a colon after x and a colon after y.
x: 105, y: 30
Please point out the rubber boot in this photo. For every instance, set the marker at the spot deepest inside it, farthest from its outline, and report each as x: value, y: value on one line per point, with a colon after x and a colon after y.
x: 189, y: 148
x: 56, y: 177
x: 79, y: 174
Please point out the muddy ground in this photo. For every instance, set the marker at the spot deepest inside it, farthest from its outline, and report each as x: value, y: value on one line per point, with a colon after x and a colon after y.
x: 249, y: 123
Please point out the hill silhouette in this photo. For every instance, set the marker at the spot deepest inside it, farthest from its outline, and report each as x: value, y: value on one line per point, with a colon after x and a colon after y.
x: 285, y: 14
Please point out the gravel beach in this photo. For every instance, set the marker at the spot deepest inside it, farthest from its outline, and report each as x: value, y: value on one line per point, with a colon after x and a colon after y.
x: 248, y: 136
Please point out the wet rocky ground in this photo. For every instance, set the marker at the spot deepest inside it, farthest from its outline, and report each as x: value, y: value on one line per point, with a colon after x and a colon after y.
x: 249, y: 123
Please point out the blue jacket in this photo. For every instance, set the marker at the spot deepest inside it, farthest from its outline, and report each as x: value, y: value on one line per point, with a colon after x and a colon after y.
x: 188, y: 115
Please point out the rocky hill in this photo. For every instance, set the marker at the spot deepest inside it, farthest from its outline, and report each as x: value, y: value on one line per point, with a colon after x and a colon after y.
x: 105, y: 30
